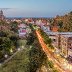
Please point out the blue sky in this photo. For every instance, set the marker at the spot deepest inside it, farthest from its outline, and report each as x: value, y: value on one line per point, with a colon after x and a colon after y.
x: 35, y: 8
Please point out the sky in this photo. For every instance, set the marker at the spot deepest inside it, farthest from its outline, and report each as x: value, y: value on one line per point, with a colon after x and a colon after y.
x: 35, y: 8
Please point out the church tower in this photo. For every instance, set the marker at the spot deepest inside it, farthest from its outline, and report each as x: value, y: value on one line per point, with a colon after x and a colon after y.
x: 1, y: 15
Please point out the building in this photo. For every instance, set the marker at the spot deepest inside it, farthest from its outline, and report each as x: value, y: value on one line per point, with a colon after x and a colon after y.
x: 1, y: 15
x: 66, y: 45
x: 55, y: 41
x: 2, y: 27
x: 63, y: 42
x: 22, y: 30
x: 45, y: 28
x: 54, y: 28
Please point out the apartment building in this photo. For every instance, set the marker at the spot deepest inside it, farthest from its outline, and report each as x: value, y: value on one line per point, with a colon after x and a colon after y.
x: 63, y: 42
x: 66, y: 45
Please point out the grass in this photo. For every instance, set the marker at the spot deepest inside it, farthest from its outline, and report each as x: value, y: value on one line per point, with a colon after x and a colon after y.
x: 19, y: 63
x: 21, y: 42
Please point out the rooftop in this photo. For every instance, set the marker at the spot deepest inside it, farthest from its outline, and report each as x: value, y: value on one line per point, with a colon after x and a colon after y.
x: 67, y: 35
x: 61, y: 33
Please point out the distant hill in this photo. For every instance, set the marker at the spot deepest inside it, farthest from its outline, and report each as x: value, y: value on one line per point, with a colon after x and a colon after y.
x: 64, y: 22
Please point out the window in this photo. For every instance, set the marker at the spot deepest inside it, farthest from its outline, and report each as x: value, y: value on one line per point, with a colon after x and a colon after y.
x: 70, y: 44
x: 54, y: 40
x: 70, y: 48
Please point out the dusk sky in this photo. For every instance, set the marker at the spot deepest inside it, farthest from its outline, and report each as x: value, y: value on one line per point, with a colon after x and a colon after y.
x: 35, y: 8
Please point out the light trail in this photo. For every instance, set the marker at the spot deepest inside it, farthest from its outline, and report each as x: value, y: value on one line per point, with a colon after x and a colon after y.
x: 49, y: 53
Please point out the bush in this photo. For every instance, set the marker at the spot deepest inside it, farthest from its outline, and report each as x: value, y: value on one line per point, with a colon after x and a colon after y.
x: 50, y: 64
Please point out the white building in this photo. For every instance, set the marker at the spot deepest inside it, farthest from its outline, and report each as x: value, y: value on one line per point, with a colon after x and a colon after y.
x: 22, y: 30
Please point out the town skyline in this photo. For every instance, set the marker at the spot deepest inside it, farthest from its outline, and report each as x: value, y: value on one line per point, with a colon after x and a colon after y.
x: 38, y: 8
x: 31, y: 41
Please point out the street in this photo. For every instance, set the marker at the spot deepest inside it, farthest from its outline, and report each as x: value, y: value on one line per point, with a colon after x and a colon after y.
x: 50, y: 54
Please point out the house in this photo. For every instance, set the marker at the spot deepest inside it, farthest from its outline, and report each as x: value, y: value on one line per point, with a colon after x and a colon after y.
x: 22, y: 30
x: 55, y: 28
x: 2, y: 27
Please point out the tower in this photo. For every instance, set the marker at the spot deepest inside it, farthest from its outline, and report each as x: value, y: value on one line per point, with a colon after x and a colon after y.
x: 1, y: 15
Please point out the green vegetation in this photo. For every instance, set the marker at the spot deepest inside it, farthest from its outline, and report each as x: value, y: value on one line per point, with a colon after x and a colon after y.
x: 31, y: 58
x: 50, y: 64
x: 19, y: 63
x: 14, y: 26
x: 30, y: 39
x: 8, y: 41
x: 27, y: 60
x: 37, y: 56
x: 46, y: 38
x: 31, y: 26
x: 21, y: 42
x: 67, y: 22
x: 63, y: 22
x: 2, y: 22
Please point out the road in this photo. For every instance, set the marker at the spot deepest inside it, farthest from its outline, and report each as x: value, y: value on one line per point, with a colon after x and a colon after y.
x: 12, y: 56
x: 50, y: 54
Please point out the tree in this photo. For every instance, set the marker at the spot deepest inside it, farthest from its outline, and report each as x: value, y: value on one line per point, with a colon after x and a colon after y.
x: 3, y: 34
x: 37, y: 57
x: 30, y: 39
x: 8, y: 41
x: 65, y: 22
x: 47, y: 40
x: 60, y: 24
x: 50, y: 63
x: 1, y: 55
x: 14, y: 26
x: 6, y: 45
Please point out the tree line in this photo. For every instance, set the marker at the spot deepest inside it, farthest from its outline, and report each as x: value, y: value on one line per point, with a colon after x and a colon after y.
x: 64, y: 23
x: 8, y: 42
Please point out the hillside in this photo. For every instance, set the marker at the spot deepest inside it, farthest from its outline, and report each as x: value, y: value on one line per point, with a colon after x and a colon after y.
x: 63, y: 22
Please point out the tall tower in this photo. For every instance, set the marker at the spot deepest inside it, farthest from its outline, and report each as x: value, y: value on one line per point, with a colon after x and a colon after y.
x: 1, y: 15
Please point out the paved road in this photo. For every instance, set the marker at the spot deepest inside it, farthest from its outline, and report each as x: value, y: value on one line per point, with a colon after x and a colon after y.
x: 50, y: 54
x: 12, y: 56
